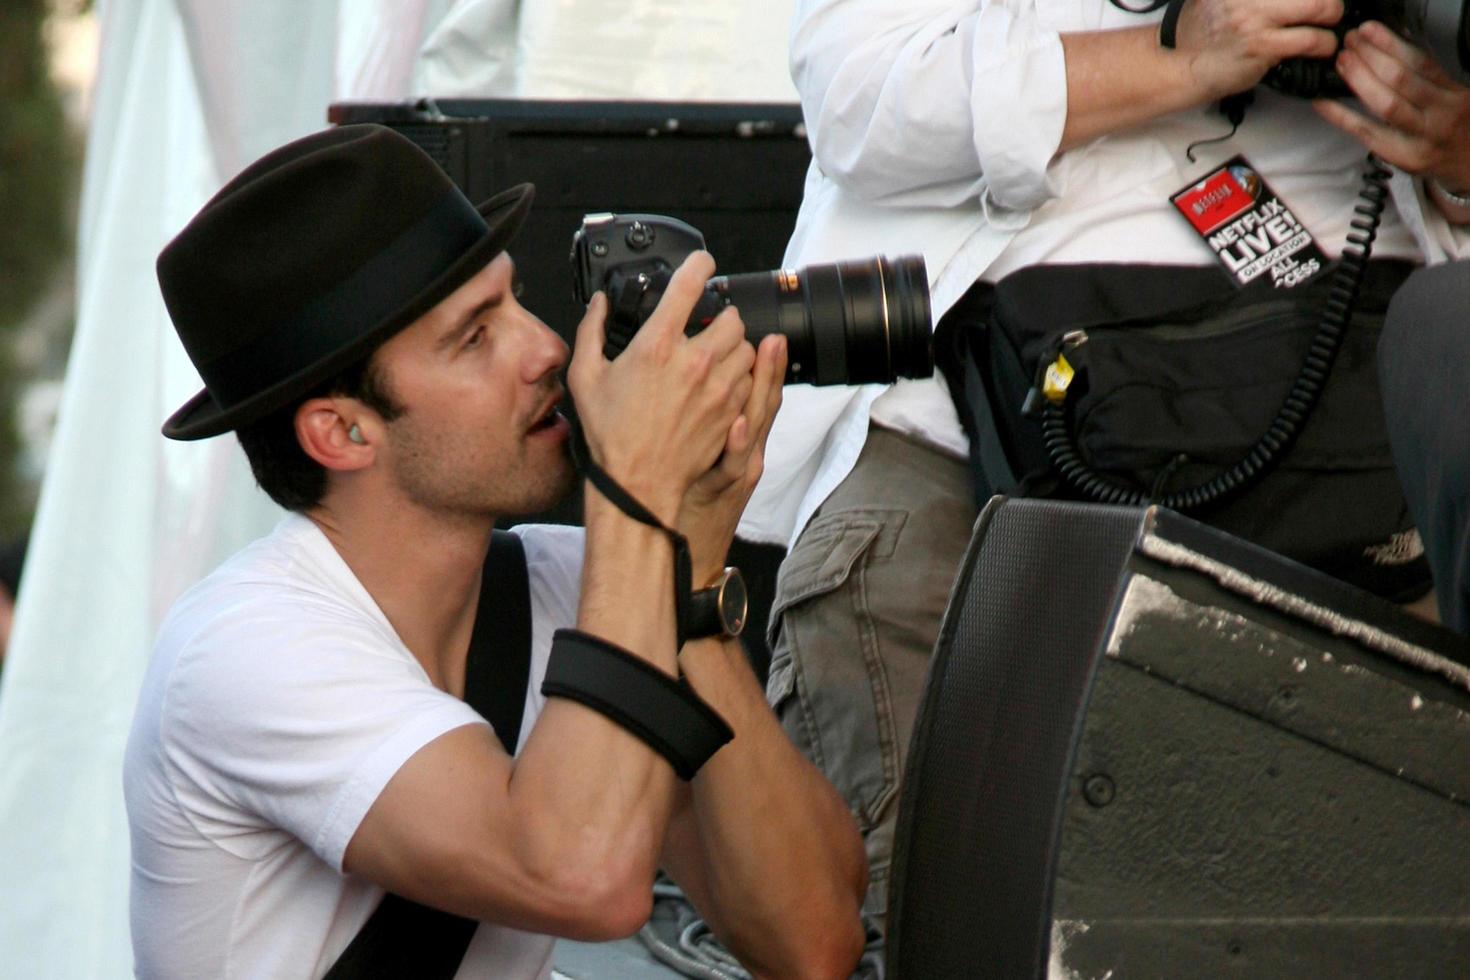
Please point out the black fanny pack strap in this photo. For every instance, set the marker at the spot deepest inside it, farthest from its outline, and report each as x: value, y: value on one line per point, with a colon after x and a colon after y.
x: 961, y: 354
x: 403, y: 938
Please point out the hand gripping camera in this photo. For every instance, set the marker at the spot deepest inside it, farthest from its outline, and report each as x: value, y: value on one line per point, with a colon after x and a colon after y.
x: 1438, y: 26
x: 853, y: 322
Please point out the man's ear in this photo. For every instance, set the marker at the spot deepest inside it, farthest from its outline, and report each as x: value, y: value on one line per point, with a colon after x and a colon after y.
x: 337, y: 432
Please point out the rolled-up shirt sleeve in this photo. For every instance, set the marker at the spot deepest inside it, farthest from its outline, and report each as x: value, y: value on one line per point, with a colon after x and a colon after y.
x: 931, y: 104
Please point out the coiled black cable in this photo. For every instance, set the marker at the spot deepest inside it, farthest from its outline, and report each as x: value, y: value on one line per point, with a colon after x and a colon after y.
x: 1300, y: 400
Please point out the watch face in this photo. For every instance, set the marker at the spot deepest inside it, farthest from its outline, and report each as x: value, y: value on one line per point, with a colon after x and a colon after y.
x: 733, y: 603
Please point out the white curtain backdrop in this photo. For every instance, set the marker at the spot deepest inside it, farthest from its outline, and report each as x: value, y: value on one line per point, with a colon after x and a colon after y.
x: 732, y: 51
x: 188, y: 93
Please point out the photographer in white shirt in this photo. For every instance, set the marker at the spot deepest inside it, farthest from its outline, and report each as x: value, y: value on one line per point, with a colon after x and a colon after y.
x: 992, y: 137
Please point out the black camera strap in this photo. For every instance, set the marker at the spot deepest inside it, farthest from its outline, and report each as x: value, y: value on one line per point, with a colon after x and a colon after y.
x: 1232, y: 107
x: 1169, y: 26
x: 403, y: 938
x: 495, y: 685
x: 625, y: 502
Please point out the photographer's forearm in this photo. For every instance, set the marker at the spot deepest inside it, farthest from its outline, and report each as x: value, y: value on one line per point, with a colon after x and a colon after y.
x: 1120, y: 79
x: 592, y: 796
x: 628, y: 582
x: 766, y: 847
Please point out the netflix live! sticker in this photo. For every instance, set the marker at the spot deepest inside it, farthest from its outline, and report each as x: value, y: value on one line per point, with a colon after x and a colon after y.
x: 1250, y: 230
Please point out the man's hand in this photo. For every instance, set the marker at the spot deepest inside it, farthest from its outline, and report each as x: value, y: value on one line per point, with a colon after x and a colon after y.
x: 1123, y: 78
x: 1231, y: 44
x: 712, y: 507
x: 659, y: 415
x: 1419, y: 117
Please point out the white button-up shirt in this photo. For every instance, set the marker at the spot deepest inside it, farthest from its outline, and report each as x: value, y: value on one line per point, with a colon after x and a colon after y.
x: 934, y: 128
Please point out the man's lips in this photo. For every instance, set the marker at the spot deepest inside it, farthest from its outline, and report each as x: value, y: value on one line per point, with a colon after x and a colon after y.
x: 550, y: 417
x: 547, y: 422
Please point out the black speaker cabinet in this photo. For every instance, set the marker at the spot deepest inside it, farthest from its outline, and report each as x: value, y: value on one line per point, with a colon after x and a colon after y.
x: 1148, y: 749
x: 735, y: 171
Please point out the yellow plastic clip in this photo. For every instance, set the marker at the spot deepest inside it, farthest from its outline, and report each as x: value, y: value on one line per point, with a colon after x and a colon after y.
x: 1058, y: 377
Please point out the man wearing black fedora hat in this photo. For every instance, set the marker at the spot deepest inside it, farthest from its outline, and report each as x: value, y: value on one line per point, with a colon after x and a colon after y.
x: 301, y: 745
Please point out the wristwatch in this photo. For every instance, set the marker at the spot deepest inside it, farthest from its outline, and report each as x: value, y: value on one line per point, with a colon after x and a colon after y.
x: 718, y: 610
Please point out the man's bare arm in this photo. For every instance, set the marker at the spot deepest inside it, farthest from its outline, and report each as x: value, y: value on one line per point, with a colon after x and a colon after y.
x: 566, y: 839
x: 761, y: 842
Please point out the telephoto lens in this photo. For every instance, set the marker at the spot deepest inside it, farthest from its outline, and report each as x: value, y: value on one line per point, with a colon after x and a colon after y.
x: 866, y: 320
x: 855, y: 322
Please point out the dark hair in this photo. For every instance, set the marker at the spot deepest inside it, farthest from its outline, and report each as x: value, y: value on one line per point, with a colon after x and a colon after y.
x: 281, y: 467
x: 12, y: 560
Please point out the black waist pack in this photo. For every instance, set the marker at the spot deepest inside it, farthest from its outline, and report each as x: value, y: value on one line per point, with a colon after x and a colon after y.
x: 1175, y: 377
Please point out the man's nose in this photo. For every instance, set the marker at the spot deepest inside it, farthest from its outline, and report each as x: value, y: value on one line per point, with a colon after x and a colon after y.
x: 546, y: 352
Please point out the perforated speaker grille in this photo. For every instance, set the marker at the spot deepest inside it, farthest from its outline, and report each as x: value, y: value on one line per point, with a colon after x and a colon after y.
x: 1006, y: 692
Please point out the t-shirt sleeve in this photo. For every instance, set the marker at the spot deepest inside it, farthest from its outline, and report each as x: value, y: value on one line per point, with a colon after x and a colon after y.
x: 554, y: 555
x: 554, y: 563
x: 297, y: 723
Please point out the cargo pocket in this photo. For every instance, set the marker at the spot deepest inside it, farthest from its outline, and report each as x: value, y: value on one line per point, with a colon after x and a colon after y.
x: 827, y: 681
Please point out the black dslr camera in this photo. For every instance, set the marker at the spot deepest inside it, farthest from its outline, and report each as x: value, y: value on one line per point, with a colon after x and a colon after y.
x: 846, y: 323
x: 1438, y: 26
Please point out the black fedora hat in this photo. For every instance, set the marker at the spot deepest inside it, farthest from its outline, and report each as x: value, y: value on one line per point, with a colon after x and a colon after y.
x: 309, y: 259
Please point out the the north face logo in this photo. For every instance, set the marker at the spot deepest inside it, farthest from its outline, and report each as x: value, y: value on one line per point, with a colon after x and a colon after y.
x: 1400, y: 549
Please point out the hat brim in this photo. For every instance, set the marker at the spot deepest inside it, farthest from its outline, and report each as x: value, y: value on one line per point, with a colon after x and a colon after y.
x: 201, y: 416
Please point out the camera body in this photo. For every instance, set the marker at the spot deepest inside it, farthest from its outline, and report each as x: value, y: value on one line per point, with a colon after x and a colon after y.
x: 866, y: 320
x: 1317, y: 78
x: 631, y: 257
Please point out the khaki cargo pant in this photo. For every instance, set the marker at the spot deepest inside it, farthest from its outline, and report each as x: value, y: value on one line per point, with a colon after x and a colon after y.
x: 858, y: 605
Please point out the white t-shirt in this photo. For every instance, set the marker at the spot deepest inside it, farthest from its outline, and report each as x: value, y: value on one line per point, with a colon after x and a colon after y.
x: 278, y: 704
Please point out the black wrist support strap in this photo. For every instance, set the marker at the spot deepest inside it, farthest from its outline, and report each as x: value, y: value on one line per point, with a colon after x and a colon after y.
x: 625, y: 502
x: 665, y: 714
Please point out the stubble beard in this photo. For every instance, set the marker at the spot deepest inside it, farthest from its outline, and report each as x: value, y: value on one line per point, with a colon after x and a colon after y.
x: 443, y: 476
